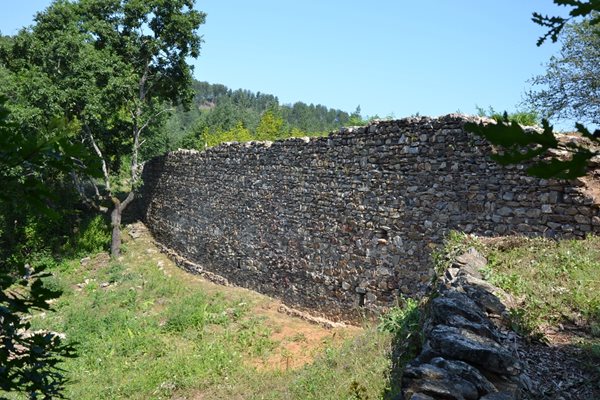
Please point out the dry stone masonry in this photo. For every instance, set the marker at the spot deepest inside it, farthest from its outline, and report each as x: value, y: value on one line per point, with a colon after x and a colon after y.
x: 347, y: 222
x: 469, y: 350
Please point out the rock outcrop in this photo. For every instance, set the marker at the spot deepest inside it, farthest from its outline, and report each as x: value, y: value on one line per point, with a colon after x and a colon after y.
x: 469, y: 351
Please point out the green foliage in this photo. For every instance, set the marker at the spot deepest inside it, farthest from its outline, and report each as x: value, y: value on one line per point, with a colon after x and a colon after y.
x: 356, y: 119
x: 92, y: 237
x: 222, y: 115
x: 552, y: 283
x: 144, y: 332
x: 402, y: 321
x: 270, y: 126
x: 405, y: 325
x: 557, y: 24
x: 541, y: 151
x: 29, y: 360
x: 195, y: 311
x: 132, y: 318
x: 116, y: 68
x: 236, y: 134
x: 568, y: 90
x: 556, y: 281
x: 526, y: 118
x: 518, y: 145
x: 356, y: 370
x: 30, y: 161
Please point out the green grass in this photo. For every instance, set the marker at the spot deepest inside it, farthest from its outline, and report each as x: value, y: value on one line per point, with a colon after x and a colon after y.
x: 144, y: 333
x: 147, y: 332
x: 553, y: 281
x: 356, y: 370
x: 558, y: 282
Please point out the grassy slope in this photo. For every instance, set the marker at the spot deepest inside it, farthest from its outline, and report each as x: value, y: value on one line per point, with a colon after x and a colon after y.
x: 146, y: 330
x: 556, y: 283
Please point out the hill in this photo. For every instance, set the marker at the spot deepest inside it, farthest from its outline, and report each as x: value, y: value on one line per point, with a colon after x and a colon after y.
x: 222, y: 114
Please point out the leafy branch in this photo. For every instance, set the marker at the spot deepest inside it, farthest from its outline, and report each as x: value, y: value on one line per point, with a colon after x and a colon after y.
x: 546, y: 155
x: 556, y: 24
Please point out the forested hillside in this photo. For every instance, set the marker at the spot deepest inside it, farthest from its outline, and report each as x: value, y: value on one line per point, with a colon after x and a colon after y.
x: 221, y: 114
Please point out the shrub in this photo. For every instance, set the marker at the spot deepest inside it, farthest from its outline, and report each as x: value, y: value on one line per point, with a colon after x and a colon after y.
x: 92, y: 237
x: 526, y: 118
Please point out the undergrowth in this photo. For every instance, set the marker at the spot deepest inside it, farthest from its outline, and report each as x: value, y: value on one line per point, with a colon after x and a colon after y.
x: 404, y: 323
x: 555, y: 281
x: 144, y: 333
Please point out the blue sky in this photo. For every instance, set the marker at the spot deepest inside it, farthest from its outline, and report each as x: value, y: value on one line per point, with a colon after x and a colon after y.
x: 388, y: 56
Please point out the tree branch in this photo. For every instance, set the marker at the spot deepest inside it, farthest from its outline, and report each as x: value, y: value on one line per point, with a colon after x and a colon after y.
x: 101, y: 156
x: 81, y: 191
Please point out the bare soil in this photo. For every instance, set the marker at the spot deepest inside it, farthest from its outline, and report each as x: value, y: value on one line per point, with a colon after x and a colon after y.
x: 297, y: 337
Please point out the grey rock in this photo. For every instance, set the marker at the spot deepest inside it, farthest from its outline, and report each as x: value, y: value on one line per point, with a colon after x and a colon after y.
x: 458, y: 310
x: 499, y: 396
x: 484, y: 294
x: 505, y: 211
x: 294, y: 219
x: 421, y: 396
x: 466, y: 372
x: 471, y: 262
x: 463, y: 345
x: 438, y: 383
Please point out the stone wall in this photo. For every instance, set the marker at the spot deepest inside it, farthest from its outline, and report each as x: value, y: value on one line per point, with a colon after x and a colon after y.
x: 345, y: 222
x: 469, y: 350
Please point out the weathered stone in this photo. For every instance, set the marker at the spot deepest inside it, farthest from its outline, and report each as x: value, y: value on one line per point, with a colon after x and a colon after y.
x: 471, y: 262
x: 300, y: 213
x: 582, y: 219
x: 438, y: 383
x: 509, y: 196
x: 463, y: 349
x: 505, y: 211
x: 466, y: 372
x: 421, y: 396
x: 499, y: 396
x: 467, y: 346
x: 454, y: 303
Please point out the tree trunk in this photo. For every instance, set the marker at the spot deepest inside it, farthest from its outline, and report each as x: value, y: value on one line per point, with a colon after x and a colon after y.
x: 115, y: 221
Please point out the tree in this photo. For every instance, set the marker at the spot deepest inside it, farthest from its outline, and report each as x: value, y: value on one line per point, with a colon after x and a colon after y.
x: 271, y: 126
x: 544, y: 151
x: 356, y: 119
x: 236, y: 134
x: 555, y: 25
x: 29, y: 360
x: 570, y: 88
x: 116, y: 66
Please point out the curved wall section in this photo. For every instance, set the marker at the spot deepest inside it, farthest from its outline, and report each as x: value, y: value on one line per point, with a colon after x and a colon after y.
x: 346, y: 222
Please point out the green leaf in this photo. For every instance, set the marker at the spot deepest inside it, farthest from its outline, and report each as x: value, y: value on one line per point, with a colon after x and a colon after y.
x: 562, y: 169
